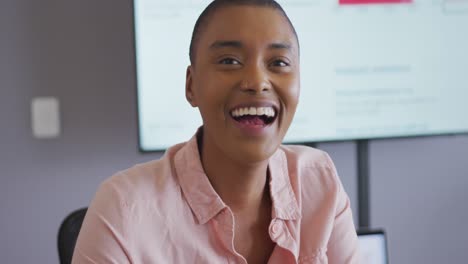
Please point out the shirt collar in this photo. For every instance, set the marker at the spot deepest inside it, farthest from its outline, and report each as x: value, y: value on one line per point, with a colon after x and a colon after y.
x: 198, y: 191
x: 284, y: 202
x: 206, y: 203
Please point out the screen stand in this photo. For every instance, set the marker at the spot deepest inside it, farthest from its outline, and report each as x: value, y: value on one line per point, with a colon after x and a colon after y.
x: 362, y: 149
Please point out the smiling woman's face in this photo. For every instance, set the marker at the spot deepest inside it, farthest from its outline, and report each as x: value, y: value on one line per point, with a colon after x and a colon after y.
x: 245, y: 81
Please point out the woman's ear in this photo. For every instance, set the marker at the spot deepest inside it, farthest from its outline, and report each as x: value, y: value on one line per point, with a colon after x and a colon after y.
x: 189, y: 87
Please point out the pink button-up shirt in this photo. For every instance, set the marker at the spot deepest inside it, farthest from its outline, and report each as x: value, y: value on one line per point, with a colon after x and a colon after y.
x: 166, y: 211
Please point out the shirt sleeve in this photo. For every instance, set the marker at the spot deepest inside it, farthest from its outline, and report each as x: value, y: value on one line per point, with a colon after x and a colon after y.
x: 102, y: 238
x: 343, y: 244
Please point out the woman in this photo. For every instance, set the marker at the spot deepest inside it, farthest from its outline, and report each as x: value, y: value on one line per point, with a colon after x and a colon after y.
x: 233, y: 193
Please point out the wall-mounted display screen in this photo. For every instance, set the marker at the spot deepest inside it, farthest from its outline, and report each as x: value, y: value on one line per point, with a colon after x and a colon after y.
x: 369, y: 69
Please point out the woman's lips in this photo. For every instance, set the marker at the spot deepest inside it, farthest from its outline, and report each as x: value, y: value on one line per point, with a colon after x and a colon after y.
x: 254, y: 118
x: 253, y: 125
x: 253, y: 111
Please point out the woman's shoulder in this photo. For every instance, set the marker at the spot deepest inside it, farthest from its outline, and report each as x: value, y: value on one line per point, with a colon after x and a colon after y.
x: 144, y: 181
x: 311, y: 170
x: 305, y: 156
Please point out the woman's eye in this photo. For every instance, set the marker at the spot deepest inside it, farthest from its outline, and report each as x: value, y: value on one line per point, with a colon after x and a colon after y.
x: 229, y: 61
x: 280, y: 63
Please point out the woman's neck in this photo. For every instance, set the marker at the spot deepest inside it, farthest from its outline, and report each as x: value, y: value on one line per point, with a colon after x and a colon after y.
x: 243, y: 187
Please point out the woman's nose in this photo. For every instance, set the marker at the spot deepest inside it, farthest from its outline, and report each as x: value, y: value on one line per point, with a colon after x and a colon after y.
x: 255, y: 80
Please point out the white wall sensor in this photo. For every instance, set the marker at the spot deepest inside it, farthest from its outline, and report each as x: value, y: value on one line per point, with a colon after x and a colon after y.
x: 45, y: 117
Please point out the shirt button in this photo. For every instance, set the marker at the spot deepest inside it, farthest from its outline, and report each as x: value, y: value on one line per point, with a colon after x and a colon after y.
x: 276, y: 228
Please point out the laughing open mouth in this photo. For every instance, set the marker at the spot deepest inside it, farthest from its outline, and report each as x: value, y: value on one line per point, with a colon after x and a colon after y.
x: 257, y: 116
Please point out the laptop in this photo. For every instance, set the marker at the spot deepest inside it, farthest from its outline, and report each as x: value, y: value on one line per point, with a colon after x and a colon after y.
x: 373, y: 246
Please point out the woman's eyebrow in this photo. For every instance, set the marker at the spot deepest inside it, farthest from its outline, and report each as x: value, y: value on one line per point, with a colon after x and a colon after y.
x: 280, y: 45
x: 226, y: 44
x: 219, y: 44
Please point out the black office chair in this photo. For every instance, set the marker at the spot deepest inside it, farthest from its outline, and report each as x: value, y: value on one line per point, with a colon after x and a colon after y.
x: 68, y: 234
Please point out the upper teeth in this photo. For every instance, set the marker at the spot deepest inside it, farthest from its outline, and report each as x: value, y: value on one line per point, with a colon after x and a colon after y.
x: 268, y: 111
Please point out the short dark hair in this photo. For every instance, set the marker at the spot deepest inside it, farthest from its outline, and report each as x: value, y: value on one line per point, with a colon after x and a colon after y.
x: 218, y: 4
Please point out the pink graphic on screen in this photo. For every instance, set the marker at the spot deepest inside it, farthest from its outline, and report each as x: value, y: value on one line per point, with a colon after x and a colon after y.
x: 363, y: 2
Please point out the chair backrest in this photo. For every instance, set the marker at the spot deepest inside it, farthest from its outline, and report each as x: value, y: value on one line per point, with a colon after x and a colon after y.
x: 68, y: 234
x: 373, y: 246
